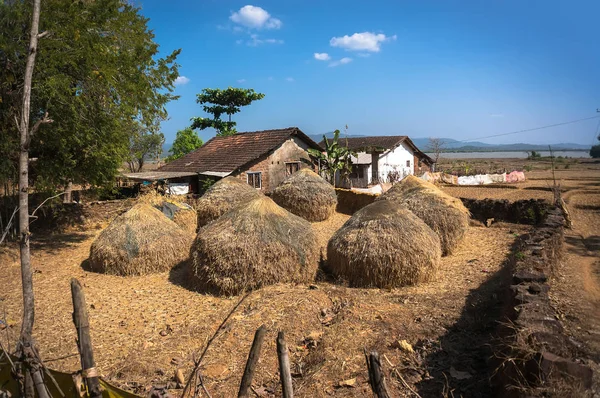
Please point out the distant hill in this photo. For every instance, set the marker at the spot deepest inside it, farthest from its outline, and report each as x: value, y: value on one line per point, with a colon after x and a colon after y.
x: 319, y: 137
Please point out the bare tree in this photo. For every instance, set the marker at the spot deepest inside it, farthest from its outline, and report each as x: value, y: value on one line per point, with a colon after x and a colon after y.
x: 28, y: 352
x: 436, y: 146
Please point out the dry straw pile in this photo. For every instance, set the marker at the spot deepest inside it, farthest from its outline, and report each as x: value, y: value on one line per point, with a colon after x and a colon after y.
x: 172, y: 207
x: 446, y: 215
x: 223, y: 196
x: 384, y: 245
x: 254, y: 245
x: 307, y: 195
x: 139, y: 242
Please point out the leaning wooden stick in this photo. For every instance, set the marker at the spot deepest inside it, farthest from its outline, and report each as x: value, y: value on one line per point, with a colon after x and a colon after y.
x: 253, y: 356
x: 284, y: 366
x: 84, y: 342
x: 376, y: 378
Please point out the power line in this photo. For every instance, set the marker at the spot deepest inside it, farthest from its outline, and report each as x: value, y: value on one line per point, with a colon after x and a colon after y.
x: 596, y: 133
x: 533, y: 129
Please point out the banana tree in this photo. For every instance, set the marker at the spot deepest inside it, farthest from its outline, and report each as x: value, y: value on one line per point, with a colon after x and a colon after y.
x: 336, y: 158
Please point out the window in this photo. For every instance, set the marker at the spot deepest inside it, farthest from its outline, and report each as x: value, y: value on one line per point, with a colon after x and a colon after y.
x: 291, y: 168
x: 255, y: 179
x: 408, y: 163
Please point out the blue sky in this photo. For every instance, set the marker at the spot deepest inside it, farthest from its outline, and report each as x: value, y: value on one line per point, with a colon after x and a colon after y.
x: 457, y: 69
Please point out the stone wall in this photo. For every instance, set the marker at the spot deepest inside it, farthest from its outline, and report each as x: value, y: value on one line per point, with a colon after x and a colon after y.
x: 534, y: 351
x: 532, y: 211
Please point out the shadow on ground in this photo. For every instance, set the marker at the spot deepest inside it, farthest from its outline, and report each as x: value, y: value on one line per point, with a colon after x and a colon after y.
x: 55, y: 242
x: 461, y: 365
x: 584, y: 246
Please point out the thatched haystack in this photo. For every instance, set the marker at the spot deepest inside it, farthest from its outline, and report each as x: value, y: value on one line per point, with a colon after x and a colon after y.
x: 174, y: 208
x: 307, y: 195
x: 139, y: 242
x: 251, y: 246
x: 223, y: 196
x: 445, y: 214
x: 384, y: 245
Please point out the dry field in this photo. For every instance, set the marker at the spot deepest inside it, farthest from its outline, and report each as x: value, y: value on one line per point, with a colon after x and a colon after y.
x: 145, y: 328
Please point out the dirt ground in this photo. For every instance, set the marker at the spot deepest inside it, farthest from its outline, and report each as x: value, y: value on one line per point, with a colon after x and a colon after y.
x: 145, y: 328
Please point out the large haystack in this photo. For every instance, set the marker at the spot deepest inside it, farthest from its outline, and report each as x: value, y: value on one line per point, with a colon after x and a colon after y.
x: 223, y: 196
x: 384, y: 245
x: 307, y: 195
x: 174, y: 207
x: 254, y: 245
x: 445, y: 214
x: 139, y: 242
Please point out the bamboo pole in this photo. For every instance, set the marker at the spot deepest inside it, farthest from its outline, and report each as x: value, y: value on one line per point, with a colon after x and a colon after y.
x: 284, y: 366
x: 253, y: 356
x: 84, y: 341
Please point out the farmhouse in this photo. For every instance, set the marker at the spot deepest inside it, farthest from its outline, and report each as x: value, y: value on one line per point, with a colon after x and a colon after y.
x: 261, y: 158
x: 384, y: 159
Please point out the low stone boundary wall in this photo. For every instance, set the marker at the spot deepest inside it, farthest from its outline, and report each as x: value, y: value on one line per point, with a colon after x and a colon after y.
x: 530, y: 211
x: 534, y: 350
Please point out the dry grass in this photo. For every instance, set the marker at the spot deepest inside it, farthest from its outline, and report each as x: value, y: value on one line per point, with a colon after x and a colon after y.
x: 139, y: 242
x: 384, y: 245
x: 254, y: 245
x: 173, y: 207
x: 307, y: 195
x: 446, y: 215
x: 223, y: 196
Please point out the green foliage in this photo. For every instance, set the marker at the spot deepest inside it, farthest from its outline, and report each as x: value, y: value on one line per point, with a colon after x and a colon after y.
x: 336, y: 158
x: 185, y: 142
x: 223, y: 102
x: 528, y: 167
x: 520, y: 255
x: 533, y: 155
x: 207, y: 183
x: 144, y: 145
x: 97, y: 75
x: 595, y: 151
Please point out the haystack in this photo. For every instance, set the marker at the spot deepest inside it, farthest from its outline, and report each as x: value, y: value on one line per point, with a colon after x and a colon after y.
x: 174, y: 208
x: 384, y: 245
x: 139, y: 242
x: 223, y: 196
x: 254, y: 245
x: 307, y: 195
x: 446, y: 215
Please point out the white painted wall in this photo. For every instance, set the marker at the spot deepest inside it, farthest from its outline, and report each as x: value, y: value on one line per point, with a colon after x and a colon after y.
x: 395, y: 159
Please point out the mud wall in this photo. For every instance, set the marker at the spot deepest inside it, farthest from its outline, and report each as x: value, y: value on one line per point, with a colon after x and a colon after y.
x: 349, y: 202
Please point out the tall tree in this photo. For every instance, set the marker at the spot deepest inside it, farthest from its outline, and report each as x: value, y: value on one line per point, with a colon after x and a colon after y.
x: 223, y: 102
x: 335, y: 159
x: 185, y: 142
x: 436, y: 146
x: 595, y: 150
x: 144, y: 146
x: 33, y: 374
x: 99, y: 76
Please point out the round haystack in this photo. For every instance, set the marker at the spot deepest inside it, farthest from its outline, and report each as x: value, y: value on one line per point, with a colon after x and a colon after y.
x: 384, y: 245
x: 139, y: 242
x: 174, y: 208
x: 223, y: 196
x: 445, y: 214
x: 307, y: 195
x: 254, y: 245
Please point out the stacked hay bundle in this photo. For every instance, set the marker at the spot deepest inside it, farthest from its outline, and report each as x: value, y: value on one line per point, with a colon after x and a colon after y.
x: 139, y: 242
x: 174, y: 208
x: 307, y: 195
x: 254, y: 245
x: 223, y: 196
x: 384, y: 245
x: 446, y: 215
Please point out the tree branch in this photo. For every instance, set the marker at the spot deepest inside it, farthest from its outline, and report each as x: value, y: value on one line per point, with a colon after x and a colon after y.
x: 37, y: 124
x: 43, y: 34
x: 44, y: 202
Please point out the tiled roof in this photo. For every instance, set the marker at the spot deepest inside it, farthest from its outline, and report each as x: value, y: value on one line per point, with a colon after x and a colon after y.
x: 380, y: 143
x: 227, y: 154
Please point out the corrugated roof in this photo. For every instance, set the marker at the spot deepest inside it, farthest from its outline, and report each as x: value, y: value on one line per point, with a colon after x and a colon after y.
x: 227, y: 154
x: 157, y: 175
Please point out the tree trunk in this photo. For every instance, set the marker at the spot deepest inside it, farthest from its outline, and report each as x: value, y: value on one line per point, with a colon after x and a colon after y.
x: 26, y: 272
x: 68, y: 196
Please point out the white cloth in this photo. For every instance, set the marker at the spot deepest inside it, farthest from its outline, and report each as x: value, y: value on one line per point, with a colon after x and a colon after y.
x: 178, y: 189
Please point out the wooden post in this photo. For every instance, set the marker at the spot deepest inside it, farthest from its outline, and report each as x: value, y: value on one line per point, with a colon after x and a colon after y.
x: 284, y: 367
x: 376, y: 378
x: 253, y: 356
x: 84, y: 342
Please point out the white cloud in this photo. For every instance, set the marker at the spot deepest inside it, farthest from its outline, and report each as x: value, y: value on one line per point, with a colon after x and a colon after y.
x: 241, y: 80
x: 289, y: 79
x: 364, y: 55
x: 342, y: 61
x: 181, y: 80
x: 365, y: 41
x: 322, y: 56
x: 255, y: 40
x: 255, y: 18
